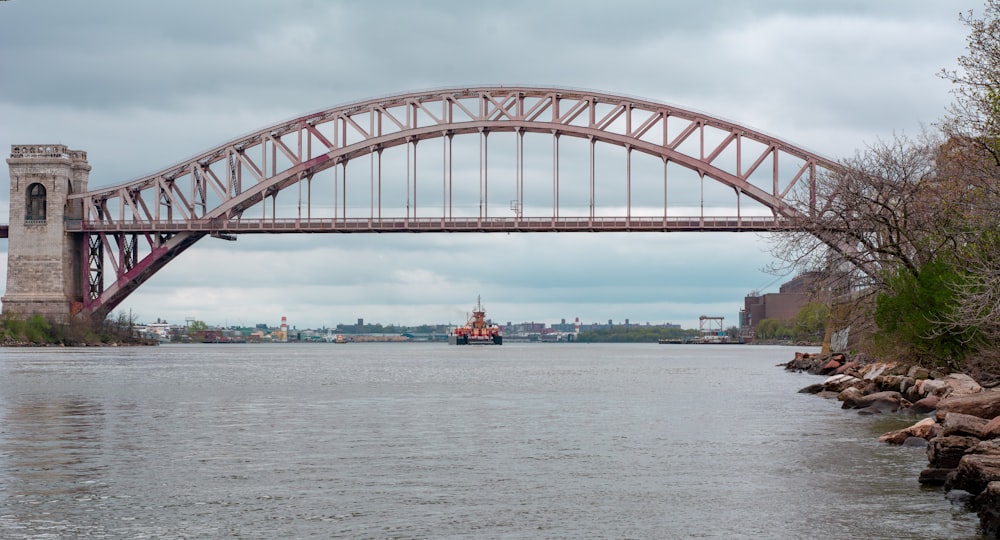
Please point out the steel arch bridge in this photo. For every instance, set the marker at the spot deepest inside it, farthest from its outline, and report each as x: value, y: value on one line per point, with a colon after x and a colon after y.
x: 343, y: 170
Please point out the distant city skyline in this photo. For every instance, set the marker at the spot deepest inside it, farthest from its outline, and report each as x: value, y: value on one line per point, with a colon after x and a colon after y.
x: 277, y: 323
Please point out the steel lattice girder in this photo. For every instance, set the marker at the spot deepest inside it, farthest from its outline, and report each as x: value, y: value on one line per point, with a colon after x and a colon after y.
x: 209, y: 193
x: 315, y: 142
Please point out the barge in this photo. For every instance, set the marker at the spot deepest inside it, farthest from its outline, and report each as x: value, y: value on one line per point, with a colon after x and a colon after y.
x: 477, y: 331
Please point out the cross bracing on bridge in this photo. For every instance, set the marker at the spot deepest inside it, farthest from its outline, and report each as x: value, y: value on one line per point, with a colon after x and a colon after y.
x: 507, y: 159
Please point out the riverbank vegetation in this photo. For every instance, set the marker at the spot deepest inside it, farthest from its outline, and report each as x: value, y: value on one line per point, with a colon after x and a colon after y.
x: 808, y: 326
x: 39, y: 331
x: 633, y: 334
x: 907, y: 232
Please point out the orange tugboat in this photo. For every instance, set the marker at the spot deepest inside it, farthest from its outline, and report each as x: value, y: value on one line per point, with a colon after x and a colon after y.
x: 476, y: 331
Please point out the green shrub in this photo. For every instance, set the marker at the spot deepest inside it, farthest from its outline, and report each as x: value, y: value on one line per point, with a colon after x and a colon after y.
x: 910, y: 316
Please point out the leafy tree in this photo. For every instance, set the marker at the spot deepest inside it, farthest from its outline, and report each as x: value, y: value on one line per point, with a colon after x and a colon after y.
x: 974, y: 117
x: 810, y: 322
x: 976, y: 303
x: 772, y: 329
x: 909, y: 229
x: 878, y: 213
x: 634, y: 334
x: 971, y: 161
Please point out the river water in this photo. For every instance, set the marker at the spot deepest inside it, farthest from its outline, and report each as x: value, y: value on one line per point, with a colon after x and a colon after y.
x: 432, y: 441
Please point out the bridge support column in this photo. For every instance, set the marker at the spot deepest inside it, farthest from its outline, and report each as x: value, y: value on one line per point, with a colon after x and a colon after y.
x: 45, y: 264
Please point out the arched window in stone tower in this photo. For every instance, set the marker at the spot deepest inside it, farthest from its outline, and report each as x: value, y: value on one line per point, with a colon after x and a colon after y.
x: 35, y: 209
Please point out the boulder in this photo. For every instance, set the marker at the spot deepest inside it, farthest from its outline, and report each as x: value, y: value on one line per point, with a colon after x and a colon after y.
x: 829, y: 367
x: 934, y: 477
x: 925, y: 405
x: 923, y: 429
x: 961, y: 384
x: 918, y: 372
x: 812, y: 389
x: 890, y: 382
x: 915, y: 442
x: 975, y: 472
x: 806, y: 362
x: 871, y: 371
x: 992, y: 429
x: 988, y: 503
x: 849, y: 366
x: 983, y: 404
x: 929, y: 387
x: 959, y: 497
x: 897, y: 437
x: 851, y: 393
x: 839, y: 383
x: 878, y: 402
x: 963, y: 424
x: 985, y: 447
x: 795, y: 363
x: 946, y: 452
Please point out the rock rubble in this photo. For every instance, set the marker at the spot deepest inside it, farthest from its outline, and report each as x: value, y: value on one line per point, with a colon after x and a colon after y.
x: 961, y: 428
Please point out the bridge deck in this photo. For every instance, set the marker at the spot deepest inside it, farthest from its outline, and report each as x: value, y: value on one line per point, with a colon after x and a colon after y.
x: 425, y: 225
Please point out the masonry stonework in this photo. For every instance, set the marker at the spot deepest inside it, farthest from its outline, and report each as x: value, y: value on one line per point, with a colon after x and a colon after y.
x: 44, y: 263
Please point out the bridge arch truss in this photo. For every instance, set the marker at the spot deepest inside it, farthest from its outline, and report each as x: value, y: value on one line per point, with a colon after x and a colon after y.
x: 356, y: 168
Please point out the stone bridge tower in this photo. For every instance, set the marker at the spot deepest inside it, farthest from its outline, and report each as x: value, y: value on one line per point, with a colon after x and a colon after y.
x: 45, y: 265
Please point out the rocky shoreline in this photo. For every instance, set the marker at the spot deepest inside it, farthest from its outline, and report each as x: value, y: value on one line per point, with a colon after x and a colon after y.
x: 959, y: 421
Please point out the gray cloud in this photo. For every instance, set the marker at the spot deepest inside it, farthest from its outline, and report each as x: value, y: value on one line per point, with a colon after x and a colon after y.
x: 142, y: 85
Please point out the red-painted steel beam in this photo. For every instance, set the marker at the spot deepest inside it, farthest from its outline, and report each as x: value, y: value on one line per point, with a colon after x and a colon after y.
x: 209, y: 193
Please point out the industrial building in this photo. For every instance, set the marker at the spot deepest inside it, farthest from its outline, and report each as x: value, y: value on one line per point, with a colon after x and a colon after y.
x: 783, y: 305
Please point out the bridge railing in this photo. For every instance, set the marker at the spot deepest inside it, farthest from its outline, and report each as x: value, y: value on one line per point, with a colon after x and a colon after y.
x: 437, y: 224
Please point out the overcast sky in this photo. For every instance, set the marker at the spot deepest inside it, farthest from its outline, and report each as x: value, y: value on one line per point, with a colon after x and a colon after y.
x: 141, y: 85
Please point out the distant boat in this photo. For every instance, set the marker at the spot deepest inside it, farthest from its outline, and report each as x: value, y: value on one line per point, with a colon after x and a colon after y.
x: 476, y: 331
x: 331, y: 338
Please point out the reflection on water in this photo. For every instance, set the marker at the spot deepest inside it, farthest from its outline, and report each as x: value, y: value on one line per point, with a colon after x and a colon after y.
x: 430, y: 441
